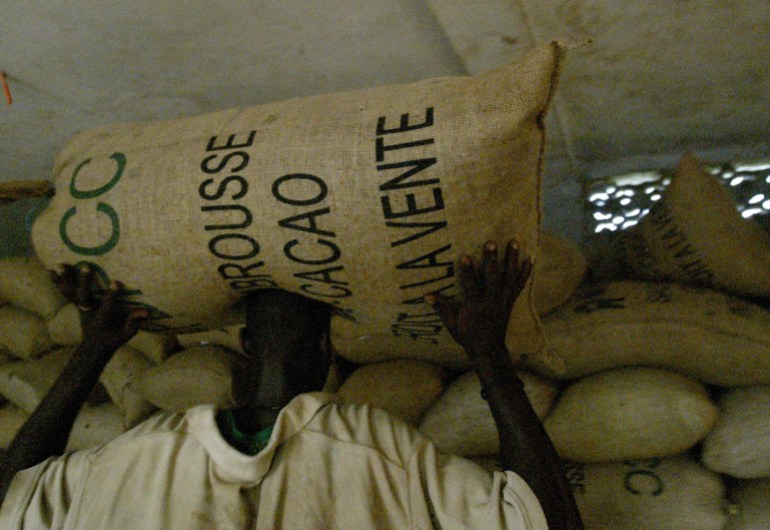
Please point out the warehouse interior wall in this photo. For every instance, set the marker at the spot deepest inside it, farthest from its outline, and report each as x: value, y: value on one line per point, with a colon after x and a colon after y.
x: 648, y: 79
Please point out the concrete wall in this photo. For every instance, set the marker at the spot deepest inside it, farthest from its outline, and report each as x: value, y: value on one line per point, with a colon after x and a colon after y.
x: 660, y: 77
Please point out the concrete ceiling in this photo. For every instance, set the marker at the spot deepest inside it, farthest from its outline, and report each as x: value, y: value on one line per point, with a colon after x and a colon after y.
x: 660, y: 77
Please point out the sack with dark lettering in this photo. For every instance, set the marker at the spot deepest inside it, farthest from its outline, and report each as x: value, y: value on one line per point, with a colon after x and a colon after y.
x: 709, y: 335
x: 630, y: 413
x: 696, y: 235
x: 752, y: 505
x: 364, y: 199
x: 658, y: 494
x: 739, y: 443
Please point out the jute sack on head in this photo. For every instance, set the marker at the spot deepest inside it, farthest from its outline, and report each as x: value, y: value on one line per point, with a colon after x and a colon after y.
x: 25, y: 283
x: 25, y: 383
x: 406, y: 389
x: 559, y: 271
x: 199, y: 374
x: 695, y: 234
x: 95, y: 426
x: 752, y: 503
x: 739, y: 443
x: 363, y: 199
x: 630, y: 413
x: 709, y: 335
x: 22, y: 333
x: 461, y: 423
x: 11, y: 420
x: 126, y: 365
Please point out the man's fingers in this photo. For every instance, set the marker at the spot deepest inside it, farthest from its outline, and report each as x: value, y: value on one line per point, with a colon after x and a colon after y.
x: 510, y: 262
x: 447, y: 308
x: 84, y: 296
x: 65, y: 277
x: 134, y: 319
x: 490, y: 267
x: 468, y: 281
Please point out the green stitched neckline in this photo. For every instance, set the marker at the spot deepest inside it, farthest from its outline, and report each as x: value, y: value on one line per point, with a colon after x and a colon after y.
x: 250, y: 444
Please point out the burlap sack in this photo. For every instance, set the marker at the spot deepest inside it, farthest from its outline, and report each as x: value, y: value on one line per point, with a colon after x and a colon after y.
x: 25, y: 383
x: 126, y: 365
x: 630, y: 413
x: 560, y: 269
x: 739, y: 443
x: 364, y: 200
x: 752, y: 502
x: 64, y: 328
x: 674, y: 493
x: 461, y: 423
x: 11, y: 420
x: 695, y: 234
x: 95, y: 426
x: 229, y: 337
x: 23, y: 334
x: 406, y: 389
x: 24, y: 282
x: 711, y: 336
x: 199, y: 374
x: 658, y: 494
x: 156, y: 346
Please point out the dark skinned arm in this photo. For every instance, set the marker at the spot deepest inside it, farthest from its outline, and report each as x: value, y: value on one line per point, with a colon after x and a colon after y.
x: 479, y: 325
x: 106, y: 327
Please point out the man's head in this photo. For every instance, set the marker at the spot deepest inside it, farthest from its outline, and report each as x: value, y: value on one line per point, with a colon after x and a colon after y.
x: 283, y: 342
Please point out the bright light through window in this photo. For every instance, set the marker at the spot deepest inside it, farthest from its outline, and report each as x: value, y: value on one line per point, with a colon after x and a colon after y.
x: 619, y: 202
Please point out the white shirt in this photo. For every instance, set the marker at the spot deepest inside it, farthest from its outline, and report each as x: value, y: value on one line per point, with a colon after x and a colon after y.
x: 326, y: 466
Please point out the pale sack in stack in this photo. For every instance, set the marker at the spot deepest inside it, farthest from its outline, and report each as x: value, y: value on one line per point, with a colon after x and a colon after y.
x: 25, y: 283
x: 739, y: 443
x: 460, y: 422
x: 196, y: 375
x: 364, y: 199
x: 404, y: 388
x: 630, y: 413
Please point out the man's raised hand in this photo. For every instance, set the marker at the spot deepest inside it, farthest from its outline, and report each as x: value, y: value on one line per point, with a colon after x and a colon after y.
x: 479, y: 323
x: 107, y: 323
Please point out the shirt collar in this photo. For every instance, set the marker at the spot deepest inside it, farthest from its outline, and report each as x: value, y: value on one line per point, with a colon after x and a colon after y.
x: 229, y: 464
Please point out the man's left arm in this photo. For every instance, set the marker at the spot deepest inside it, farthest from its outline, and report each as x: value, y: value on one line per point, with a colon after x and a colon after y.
x: 106, y: 327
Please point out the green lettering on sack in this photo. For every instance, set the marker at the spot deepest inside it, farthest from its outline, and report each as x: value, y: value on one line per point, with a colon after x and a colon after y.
x: 120, y: 158
x: 97, y: 250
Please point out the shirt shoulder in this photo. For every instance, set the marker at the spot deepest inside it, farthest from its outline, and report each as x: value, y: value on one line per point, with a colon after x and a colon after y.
x: 367, y: 427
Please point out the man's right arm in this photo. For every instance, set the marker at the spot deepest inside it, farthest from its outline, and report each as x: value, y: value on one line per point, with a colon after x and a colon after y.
x: 479, y: 324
